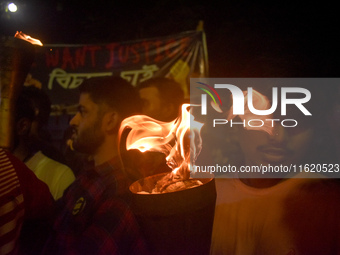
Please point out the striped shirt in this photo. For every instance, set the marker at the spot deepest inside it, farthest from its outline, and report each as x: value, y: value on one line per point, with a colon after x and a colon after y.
x: 11, y: 205
x: 23, y: 198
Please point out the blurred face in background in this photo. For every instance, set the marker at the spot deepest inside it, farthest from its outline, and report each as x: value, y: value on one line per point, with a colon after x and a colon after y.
x: 155, y: 106
x: 286, y: 145
x: 87, y: 123
x: 278, y: 142
x: 152, y: 104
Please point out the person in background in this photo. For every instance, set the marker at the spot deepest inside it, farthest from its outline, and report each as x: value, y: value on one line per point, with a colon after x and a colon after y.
x: 23, y: 199
x: 282, y: 213
x: 94, y: 216
x: 162, y: 98
x: 32, y: 113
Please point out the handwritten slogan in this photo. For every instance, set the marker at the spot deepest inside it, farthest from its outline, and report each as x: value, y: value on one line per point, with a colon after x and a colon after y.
x: 62, y: 68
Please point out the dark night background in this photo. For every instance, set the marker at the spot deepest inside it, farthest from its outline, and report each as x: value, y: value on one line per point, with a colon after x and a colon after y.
x: 244, y: 38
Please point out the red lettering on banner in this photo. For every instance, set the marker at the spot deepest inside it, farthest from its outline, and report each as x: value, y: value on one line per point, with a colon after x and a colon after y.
x: 52, y: 58
x: 146, y: 51
x: 159, y: 56
x: 111, y: 47
x: 135, y: 52
x: 168, y: 45
x: 67, y: 59
x: 93, y: 50
x: 123, y: 54
x: 80, y: 57
x: 146, y: 46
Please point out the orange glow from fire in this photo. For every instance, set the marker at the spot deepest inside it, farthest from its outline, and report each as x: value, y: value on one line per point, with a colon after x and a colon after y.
x: 22, y: 36
x: 260, y: 102
x: 178, y: 140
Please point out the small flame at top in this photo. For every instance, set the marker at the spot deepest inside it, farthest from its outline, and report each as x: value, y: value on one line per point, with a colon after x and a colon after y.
x: 22, y: 36
x: 179, y: 140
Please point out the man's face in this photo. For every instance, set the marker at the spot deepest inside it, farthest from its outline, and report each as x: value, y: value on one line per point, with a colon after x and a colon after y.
x: 152, y: 104
x: 287, y: 145
x: 88, y: 134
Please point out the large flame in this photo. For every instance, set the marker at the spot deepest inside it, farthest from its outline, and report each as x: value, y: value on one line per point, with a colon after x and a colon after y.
x: 22, y: 36
x: 179, y: 140
x: 260, y: 102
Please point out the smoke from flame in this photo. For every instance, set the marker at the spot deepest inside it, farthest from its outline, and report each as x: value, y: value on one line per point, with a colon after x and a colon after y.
x: 179, y: 140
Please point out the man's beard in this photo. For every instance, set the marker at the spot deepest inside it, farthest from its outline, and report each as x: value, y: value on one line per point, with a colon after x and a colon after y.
x: 89, y: 140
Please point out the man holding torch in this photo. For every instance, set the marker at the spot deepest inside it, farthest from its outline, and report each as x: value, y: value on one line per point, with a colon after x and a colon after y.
x: 94, y: 216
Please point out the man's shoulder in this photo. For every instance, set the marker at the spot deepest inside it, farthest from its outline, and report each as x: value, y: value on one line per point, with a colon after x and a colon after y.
x: 98, y: 185
x: 113, y: 177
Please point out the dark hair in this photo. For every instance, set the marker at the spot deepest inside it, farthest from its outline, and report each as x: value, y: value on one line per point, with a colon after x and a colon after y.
x: 34, y: 104
x: 113, y: 91
x: 169, y: 90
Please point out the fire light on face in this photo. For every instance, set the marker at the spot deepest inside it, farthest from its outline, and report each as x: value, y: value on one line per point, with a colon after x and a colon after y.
x: 179, y: 140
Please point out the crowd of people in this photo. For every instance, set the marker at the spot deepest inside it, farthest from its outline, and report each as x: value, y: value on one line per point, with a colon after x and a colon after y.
x: 48, y: 208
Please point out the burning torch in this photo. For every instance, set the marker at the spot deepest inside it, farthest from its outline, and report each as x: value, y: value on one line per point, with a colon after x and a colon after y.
x: 174, y: 210
x: 16, y: 58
